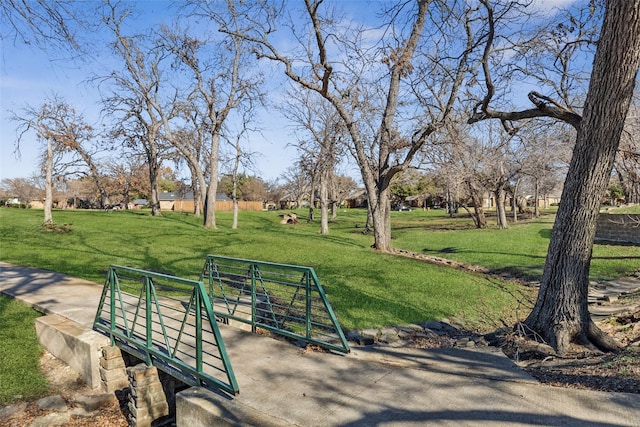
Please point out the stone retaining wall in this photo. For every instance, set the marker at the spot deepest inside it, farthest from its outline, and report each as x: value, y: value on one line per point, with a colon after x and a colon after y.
x: 624, y: 228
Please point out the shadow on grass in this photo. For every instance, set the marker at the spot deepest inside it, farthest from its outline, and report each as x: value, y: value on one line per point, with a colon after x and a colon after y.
x: 545, y: 233
x: 524, y: 272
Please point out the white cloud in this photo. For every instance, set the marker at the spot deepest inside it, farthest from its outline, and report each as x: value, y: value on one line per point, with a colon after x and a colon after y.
x: 551, y: 7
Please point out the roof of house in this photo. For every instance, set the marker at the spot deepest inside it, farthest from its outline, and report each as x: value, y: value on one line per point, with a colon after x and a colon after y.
x: 174, y: 195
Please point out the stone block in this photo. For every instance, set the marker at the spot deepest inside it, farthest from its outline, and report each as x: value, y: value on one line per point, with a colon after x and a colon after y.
x: 51, y: 419
x: 113, y: 375
x: 114, y: 385
x: 111, y: 352
x: 141, y: 375
x: 52, y: 403
x: 155, y: 411
x: 149, y: 395
x: 113, y: 363
x: 96, y: 401
x: 370, y: 333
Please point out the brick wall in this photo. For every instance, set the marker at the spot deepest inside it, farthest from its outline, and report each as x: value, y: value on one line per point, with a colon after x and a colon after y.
x: 619, y: 228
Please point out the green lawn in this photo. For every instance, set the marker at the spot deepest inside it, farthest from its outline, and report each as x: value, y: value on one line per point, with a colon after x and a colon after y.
x: 520, y: 250
x: 366, y: 288
x: 20, y: 376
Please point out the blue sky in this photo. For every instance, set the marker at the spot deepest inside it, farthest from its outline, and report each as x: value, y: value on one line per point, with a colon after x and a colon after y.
x: 28, y: 75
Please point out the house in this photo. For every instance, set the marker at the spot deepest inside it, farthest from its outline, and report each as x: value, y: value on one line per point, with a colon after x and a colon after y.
x: 174, y: 201
x: 357, y: 199
x: 140, y: 203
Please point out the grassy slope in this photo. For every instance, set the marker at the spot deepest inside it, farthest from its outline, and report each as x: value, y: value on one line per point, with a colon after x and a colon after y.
x: 366, y: 288
x: 521, y: 249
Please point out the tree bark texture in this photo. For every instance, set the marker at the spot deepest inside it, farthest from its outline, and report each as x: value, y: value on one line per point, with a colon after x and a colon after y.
x: 478, y: 217
x: 48, y: 184
x: 324, y: 201
x: 212, y: 188
x: 154, y: 167
x: 501, y: 209
x: 561, y: 314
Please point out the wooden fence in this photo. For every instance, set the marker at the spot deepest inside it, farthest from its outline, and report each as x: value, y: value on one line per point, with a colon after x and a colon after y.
x: 221, y: 206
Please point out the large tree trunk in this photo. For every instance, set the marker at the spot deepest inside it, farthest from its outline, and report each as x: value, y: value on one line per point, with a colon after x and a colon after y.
x: 381, y: 217
x: 561, y: 314
x: 155, y: 192
x: 536, y: 192
x: 48, y: 184
x: 234, y: 224
x: 367, y: 223
x: 95, y: 175
x: 197, y: 183
x: 212, y: 188
x: 501, y: 210
x: 324, y: 203
x: 514, y: 201
x: 478, y: 217
x: 234, y: 196
x: 154, y: 168
x: 210, y: 206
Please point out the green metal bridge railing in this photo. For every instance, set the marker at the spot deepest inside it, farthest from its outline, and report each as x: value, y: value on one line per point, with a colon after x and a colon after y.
x: 168, y: 322
x: 287, y: 300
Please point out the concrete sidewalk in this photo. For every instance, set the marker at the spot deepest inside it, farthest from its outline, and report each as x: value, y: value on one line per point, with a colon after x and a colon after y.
x: 372, y: 386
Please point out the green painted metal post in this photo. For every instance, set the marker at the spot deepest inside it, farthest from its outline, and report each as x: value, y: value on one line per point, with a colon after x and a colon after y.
x: 198, y: 300
x: 147, y: 302
x: 232, y: 387
x: 308, y: 304
x: 112, y: 303
x: 254, y: 317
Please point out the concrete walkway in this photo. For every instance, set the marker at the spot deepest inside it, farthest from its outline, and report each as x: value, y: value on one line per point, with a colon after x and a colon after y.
x: 375, y: 386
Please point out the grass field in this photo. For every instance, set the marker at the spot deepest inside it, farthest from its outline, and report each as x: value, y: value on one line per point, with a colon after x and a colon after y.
x: 366, y: 288
x: 20, y: 377
x: 519, y: 250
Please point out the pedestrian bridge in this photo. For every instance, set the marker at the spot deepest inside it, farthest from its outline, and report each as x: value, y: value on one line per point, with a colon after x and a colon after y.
x: 172, y: 323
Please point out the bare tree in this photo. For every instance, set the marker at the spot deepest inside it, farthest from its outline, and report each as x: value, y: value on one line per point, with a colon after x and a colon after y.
x: 24, y: 189
x: 361, y: 79
x: 44, y: 23
x: 130, y: 177
x: 340, y: 188
x: 240, y: 158
x: 561, y: 314
x: 627, y: 164
x: 319, y: 136
x: 499, y: 168
x: 64, y: 132
x: 459, y: 160
x: 225, y: 79
x: 136, y: 97
x: 544, y: 155
x: 297, y: 184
